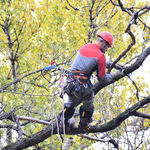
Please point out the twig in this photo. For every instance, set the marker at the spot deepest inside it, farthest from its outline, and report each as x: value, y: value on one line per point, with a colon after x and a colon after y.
x: 72, y: 6
x: 33, y: 120
x: 101, y: 140
x: 137, y: 90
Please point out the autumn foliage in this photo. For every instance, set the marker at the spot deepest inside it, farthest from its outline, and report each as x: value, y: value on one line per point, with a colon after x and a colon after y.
x: 36, y: 33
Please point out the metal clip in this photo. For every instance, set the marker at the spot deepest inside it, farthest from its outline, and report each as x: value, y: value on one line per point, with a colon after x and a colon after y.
x: 85, y: 85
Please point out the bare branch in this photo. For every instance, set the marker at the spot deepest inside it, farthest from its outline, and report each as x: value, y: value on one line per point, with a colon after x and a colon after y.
x: 101, y: 140
x: 135, y: 16
x: 137, y: 90
x: 18, y: 44
x: 9, y: 116
x: 33, y: 120
x: 143, y: 115
x: 20, y: 132
x: 113, y: 3
x: 72, y: 6
x: 122, y: 7
x: 128, y: 30
x: 145, y: 11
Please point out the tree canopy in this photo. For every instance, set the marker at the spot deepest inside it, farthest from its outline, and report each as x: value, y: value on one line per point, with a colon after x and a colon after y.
x: 38, y: 33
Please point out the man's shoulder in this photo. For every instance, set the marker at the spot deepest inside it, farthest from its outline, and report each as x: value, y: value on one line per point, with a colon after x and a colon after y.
x: 88, y: 45
x: 91, y: 47
x: 91, y: 50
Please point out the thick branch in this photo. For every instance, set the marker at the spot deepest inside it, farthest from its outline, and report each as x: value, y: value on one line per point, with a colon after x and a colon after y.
x: 116, y: 121
x: 52, y: 129
x: 34, y: 139
x: 120, y: 74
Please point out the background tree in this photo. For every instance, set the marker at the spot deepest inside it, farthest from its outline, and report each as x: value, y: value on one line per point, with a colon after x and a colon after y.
x: 37, y: 33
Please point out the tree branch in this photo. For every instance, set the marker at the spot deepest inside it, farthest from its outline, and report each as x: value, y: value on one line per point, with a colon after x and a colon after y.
x: 101, y: 140
x: 143, y: 115
x: 33, y: 120
x: 72, y: 6
x: 120, y: 74
x: 128, y: 30
x: 135, y: 16
x: 123, y: 8
x: 18, y: 80
x: 52, y: 129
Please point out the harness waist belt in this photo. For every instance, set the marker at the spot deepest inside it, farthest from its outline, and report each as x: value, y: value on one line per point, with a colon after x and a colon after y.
x: 80, y: 74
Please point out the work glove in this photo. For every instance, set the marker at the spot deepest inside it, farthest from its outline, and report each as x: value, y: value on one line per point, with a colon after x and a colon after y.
x: 108, y: 77
x: 108, y: 64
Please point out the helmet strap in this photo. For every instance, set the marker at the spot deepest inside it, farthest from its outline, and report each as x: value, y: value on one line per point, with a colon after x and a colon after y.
x: 100, y: 39
x: 104, y: 45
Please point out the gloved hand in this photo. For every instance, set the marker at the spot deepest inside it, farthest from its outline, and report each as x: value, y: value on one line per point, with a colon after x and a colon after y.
x: 108, y: 64
x: 108, y: 77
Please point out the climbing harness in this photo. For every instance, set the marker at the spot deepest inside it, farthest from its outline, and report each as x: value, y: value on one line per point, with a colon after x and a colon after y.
x: 74, y: 82
x: 76, y: 79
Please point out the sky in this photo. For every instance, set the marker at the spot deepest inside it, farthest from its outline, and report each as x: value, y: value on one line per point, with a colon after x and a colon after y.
x: 143, y: 71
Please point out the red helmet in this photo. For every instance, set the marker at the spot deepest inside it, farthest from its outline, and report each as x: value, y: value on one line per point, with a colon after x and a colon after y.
x: 107, y: 37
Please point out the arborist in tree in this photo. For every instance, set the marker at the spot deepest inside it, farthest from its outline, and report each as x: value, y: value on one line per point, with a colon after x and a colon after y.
x: 78, y: 88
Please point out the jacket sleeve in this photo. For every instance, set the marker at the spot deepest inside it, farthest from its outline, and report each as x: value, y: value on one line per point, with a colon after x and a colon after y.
x: 101, y: 67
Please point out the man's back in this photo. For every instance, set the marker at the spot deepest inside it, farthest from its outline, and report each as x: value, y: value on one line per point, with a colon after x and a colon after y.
x: 89, y: 59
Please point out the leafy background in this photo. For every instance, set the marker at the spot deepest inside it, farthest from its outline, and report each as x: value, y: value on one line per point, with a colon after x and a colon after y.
x: 36, y: 33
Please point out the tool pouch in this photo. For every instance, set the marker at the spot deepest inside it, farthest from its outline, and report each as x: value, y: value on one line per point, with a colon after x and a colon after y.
x: 72, y: 85
x: 69, y: 86
x: 75, y: 86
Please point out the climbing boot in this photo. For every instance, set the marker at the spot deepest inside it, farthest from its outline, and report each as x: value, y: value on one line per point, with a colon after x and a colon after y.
x: 65, y: 116
x: 85, y: 117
